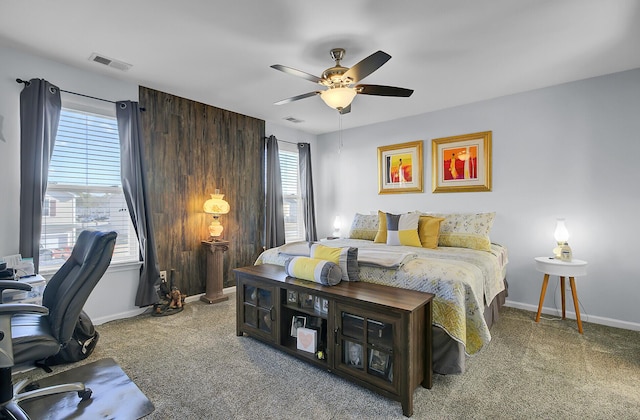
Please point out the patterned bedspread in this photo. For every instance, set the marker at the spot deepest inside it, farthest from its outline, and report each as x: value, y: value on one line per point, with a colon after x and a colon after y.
x: 462, y: 280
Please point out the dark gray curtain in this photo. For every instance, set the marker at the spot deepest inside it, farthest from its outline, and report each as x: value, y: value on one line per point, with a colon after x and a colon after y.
x: 306, y: 190
x: 40, y: 107
x: 135, y: 186
x: 274, y: 208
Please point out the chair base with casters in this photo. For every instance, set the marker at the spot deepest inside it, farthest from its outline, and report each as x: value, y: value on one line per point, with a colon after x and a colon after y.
x: 11, y: 409
x: 32, y: 333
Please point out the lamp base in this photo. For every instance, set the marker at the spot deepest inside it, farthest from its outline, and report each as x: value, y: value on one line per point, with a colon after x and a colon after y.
x: 562, y: 252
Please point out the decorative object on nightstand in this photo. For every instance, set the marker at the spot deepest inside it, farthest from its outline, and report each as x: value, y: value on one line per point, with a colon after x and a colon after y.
x: 562, y: 251
x: 215, y: 271
x: 572, y: 269
x: 216, y: 206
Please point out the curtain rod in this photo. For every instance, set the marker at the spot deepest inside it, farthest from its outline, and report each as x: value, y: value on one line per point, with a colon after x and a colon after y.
x: 284, y: 141
x: 27, y: 83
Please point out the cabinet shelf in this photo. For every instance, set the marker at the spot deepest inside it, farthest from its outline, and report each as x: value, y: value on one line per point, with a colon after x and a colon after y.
x: 376, y: 336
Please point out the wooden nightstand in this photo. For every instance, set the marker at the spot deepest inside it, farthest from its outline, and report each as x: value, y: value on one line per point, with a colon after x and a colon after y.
x: 215, y: 271
x: 571, y: 269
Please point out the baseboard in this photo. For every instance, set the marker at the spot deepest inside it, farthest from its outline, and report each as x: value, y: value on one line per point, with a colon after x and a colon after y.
x: 113, y: 317
x: 138, y: 311
x: 610, y: 322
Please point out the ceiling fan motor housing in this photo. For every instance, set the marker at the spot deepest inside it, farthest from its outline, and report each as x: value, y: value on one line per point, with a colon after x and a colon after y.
x: 332, y: 76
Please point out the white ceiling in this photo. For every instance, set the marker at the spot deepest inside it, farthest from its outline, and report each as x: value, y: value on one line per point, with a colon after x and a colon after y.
x: 451, y: 52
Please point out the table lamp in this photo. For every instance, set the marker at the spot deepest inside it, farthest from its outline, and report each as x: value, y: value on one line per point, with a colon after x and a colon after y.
x: 216, y: 206
x: 561, y: 235
x: 336, y: 227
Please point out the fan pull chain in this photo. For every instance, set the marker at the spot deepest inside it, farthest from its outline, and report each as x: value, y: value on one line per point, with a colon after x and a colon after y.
x: 339, y: 133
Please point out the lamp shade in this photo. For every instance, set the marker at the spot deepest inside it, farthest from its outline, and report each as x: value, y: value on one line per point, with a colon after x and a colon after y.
x: 216, y: 205
x: 338, y: 98
x: 561, y: 233
x: 336, y: 226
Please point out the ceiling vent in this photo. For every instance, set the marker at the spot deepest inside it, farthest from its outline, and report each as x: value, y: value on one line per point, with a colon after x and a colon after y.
x: 110, y: 62
x: 293, y: 120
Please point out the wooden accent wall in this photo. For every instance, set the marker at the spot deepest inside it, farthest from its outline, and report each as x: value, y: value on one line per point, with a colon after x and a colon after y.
x: 191, y: 149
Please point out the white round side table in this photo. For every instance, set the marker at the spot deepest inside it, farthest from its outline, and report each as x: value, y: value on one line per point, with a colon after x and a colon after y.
x: 572, y: 269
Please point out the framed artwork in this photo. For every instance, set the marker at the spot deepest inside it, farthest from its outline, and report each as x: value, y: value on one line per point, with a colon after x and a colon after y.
x: 400, y: 168
x: 462, y: 163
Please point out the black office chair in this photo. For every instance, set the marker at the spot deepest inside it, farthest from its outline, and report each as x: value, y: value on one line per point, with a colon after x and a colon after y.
x: 31, y: 333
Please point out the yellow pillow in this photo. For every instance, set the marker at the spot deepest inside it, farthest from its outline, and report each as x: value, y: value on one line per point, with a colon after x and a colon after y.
x: 345, y: 257
x: 381, y: 236
x: 429, y: 231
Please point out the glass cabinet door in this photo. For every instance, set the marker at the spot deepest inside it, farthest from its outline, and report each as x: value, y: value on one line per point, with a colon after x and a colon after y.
x: 365, y: 345
x: 257, y: 305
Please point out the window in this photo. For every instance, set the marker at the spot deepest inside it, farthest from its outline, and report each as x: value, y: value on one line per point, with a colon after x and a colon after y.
x: 293, y: 218
x: 84, y: 190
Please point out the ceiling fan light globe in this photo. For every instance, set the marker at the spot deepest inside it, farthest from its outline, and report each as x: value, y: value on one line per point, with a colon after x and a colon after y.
x: 338, y: 98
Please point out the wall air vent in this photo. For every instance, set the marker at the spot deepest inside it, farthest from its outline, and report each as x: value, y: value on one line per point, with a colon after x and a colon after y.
x: 110, y: 62
x: 293, y: 120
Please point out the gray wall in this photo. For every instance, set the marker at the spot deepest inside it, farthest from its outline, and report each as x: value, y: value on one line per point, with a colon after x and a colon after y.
x: 566, y: 151
x: 119, y: 281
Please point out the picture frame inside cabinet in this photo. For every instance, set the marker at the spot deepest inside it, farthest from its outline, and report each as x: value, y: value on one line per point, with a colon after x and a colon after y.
x: 379, y: 363
x: 297, y: 321
x: 353, y: 354
x: 292, y: 297
x: 306, y: 300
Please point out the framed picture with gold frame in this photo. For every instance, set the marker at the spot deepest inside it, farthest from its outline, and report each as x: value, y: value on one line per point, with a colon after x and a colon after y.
x: 462, y: 163
x: 400, y: 168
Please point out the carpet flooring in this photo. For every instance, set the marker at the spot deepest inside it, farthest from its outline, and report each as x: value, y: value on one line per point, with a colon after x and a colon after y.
x: 192, y: 365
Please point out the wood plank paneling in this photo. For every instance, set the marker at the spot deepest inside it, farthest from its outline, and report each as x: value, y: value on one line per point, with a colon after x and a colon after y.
x: 191, y: 149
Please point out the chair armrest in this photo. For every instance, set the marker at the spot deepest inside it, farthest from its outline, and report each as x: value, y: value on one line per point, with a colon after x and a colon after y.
x: 22, y: 308
x: 14, y: 285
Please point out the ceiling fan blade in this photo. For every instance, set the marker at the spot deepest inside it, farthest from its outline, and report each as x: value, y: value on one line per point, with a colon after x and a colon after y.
x: 345, y: 110
x: 296, y: 98
x: 297, y: 73
x: 367, y: 66
x: 379, y: 90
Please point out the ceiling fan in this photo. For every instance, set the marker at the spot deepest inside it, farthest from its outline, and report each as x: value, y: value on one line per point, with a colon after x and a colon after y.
x: 339, y: 81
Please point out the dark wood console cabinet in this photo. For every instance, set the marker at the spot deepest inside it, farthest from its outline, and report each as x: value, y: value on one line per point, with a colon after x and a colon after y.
x: 376, y: 336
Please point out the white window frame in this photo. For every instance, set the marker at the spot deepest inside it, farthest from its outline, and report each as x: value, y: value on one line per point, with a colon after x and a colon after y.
x: 292, y: 201
x: 127, y: 248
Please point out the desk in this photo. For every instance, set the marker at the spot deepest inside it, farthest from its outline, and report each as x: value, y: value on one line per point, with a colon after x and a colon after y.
x: 571, y: 269
x: 215, y: 271
x: 37, y: 283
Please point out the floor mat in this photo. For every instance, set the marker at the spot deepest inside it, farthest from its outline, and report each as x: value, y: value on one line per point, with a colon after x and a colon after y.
x: 115, y: 396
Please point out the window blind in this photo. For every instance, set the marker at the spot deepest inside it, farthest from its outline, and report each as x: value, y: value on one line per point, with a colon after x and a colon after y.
x: 293, y: 223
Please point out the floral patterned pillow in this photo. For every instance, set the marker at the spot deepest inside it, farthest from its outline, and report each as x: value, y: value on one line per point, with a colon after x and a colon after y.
x: 466, y: 230
x: 364, y: 226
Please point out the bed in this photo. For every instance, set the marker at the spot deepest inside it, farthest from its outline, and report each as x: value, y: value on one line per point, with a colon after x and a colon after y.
x: 469, y: 284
